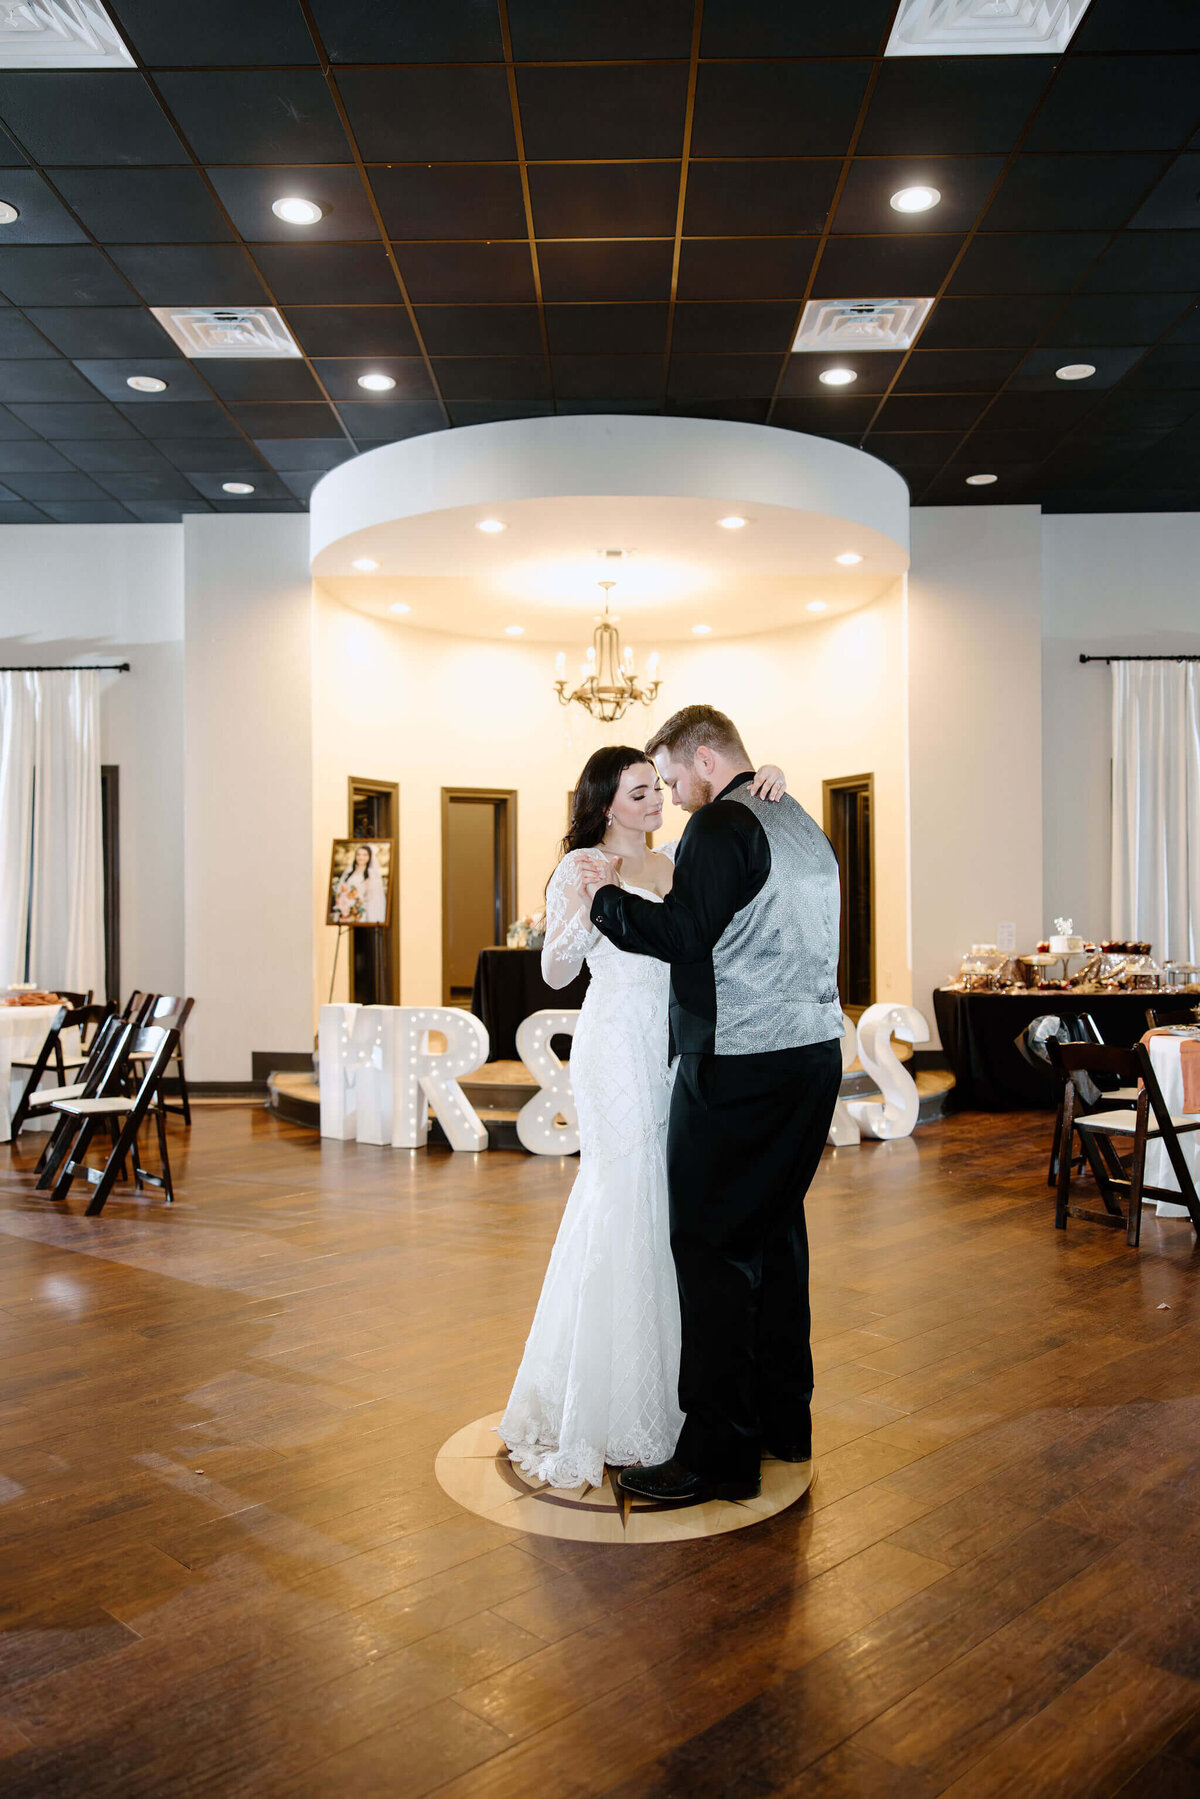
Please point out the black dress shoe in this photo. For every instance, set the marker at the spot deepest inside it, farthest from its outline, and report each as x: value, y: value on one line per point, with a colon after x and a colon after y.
x: 789, y: 1452
x: 672, y: 1484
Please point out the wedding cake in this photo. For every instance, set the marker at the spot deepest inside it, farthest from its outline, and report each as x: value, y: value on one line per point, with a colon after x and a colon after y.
x: 1065, y: 942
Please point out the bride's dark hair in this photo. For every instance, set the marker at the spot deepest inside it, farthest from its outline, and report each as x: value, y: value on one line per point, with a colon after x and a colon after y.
x: 595, y: 791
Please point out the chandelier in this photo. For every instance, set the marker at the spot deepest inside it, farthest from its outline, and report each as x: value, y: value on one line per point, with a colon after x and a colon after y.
x: 608, y: 685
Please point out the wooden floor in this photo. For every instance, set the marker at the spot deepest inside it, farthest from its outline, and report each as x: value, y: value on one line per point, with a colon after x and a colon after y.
x: 226, y: 1567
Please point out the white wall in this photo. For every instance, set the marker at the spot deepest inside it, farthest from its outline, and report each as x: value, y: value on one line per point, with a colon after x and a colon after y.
x: 114, y: 593
x: 1111, y: 583
x: 248, y: 816
x: 975, y: 728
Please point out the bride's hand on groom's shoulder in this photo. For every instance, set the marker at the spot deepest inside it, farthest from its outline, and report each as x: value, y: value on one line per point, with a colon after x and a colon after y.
x: 770, y: 783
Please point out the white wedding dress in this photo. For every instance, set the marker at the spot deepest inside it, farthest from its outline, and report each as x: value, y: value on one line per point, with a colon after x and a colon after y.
x: 599, y: 1378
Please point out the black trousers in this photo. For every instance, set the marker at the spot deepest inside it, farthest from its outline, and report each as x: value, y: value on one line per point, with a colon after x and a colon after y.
x: 745, y: 1137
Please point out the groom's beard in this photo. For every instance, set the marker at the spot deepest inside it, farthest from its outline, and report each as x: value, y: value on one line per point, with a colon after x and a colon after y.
x: 701, y: 795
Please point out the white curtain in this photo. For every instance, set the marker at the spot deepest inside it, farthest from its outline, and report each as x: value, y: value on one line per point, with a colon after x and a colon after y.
x: 50, y: 817
x: 1156, y: 806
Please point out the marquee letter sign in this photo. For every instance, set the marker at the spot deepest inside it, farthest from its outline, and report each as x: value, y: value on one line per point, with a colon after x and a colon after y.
x: 535, y: 1121
x: 843, y: 1131
x: 378, y: 1075
x: 896, y: 1114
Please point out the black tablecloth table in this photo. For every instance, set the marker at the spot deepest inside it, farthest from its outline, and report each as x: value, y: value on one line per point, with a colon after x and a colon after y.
x: 978, y: 1032
x: 508, y: 987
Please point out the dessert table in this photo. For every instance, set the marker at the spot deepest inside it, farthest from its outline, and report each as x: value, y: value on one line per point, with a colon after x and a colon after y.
x: 22, y: 1033
x: 508, y: 988
x: 1166, y: 1058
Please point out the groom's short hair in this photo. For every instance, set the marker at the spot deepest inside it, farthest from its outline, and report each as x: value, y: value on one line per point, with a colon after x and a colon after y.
x: 692, y: 726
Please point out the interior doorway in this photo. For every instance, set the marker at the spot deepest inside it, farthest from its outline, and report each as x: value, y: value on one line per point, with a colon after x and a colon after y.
x: 374, y: 811
x: 479, y: 881
x: 850, y: 827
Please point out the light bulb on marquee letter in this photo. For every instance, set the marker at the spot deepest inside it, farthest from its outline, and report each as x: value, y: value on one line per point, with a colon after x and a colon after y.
x: 422, y: 1077
x: 536, y: 1128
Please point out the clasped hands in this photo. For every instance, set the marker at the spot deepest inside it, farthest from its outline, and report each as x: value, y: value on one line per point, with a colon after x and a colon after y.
x: 598, y: 870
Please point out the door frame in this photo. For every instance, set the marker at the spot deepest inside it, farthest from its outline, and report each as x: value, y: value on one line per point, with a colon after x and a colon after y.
x: 508, y: 863
x: 392, y: 928
x: 828, y: 789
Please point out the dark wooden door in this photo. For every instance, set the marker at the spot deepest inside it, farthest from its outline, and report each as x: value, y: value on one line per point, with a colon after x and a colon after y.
x: 849, y: 807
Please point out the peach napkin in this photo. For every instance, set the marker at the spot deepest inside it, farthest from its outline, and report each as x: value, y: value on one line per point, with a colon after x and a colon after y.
x: 1189, y: 1055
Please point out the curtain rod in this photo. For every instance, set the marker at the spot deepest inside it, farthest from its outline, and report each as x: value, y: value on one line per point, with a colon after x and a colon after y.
x: 65, y: 668
x: 1139, y: 658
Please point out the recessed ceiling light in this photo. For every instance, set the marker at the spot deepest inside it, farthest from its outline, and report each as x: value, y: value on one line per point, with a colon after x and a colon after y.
x: 848, y: 558
x: 817, y: 606
x: 146, y: 384
x: 914, y: 199
x: 981, y: 480
x: 366, y: 564
x: 376, y: 384
x: 732, y: 523
x: 490, y: 525
x: 295, y: 211
x: 514, y: 630
x: 399, y: 608
x: 838, y: 377
x: 8, y: 213
x: 1075, y: 371
x: 238, y: 487
x: 701, y: 630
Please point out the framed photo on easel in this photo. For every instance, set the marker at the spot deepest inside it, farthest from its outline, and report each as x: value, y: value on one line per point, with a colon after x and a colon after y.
x: 360, y: 881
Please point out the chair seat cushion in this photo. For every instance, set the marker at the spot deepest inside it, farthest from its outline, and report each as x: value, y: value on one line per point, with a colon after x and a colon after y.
x: 1122, y: 1123
x: 31, y: 1062
x: 94, y: 1108
x: 50, y: 1096
x: 1120, y: 1096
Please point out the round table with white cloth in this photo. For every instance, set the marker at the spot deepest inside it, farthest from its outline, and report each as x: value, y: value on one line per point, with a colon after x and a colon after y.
x: 22, y: 1033
x: 1166, y: 1059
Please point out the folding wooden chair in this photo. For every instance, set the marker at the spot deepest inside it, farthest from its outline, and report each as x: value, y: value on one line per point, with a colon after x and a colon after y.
x: 1039, y: 1044
x: 124, y: 1116
x: 169, y: 1012
x: 66, y: 1019
x: 104, y: 1073
x: 1099, y: 1132
x: 1159, y: 1017
x: 137, y: 1006
x: 68, y: 1057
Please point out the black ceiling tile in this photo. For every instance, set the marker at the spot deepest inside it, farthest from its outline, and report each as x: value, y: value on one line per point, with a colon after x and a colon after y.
x: 1171, y: 205
x: 87, y: 512
x: 340, y: 375
x: 41, y: 218
x: 166, y: 419
x: 1187, y: 331
x: 957, y: 371
x: 990, y: 446
x: 430, y: 114
x: 1040, y: 262
x: 579, y: 31
x: 469, y: 273
x: 1071, y: 193
x: 480, y: 330
x: 781, y: 28
x: 255, y: 505
x: 249, y: 194
x: 389, y: 423
x: 930, y: 412
x: 102, y: 330
x: 951, y: 105
x: 381, y: 31
x: 1037, y: 372
x: 604, y: 199
x: 262, y: 419
x: 949, y: 485
x: 1133, y: 24
x: 254, y: 378
x: 1130, y: 408
x: 265, y: 482
x: 612, y: 110
x: 606, y: 271
x: 141, y: 485
x: 295, y: 454
x: 111, y: 376
x: 977, y: 324
x: 1169, y: 366
x: 610, y: 330
x: 13, y: 429
x: 272, y: 115
x: 750, y: 198
x: 912, y: 449
x: 163, y: 512
x: 722, y: 377
x: 33, y: 454
x: 21, y: 512
x: 10, y: 156
x: 75, y: 276
x: 592, y: 408
x: 1118, y: 103
x: 777, y: 109
x: 741, y: 412
x: 450, y: 200
x: 1117, y: 318
x: 1149, y: 262
x: 7, y: 498
x: 492, y: 377
x: 748, y: 268
x: 191, y: 274
x: 874, y: 368
x: 317, y: 274
x: 42, y: 380
x: 964, y: 183
x: 18, y: 337
x: 489, y: 412
x: 300, y: 483
x: 874, y: 267
x: 220, y: 31
x: 608, y: 377
x: 353, y: 330
x: 74, y: 420
x: 145, y: 206
x: 825, y: 417
x: 96, y: 117
x: 1052, y: 413
x: 112, y: 457
x: 230, y: 454
x: 742, y: 326
x: 53, y: 484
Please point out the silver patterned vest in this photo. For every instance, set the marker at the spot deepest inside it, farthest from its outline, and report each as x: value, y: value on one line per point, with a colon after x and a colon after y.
x: 775, y: 966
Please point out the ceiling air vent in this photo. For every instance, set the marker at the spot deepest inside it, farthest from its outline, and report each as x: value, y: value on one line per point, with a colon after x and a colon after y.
x: 226, y: 330
x: 59, y: 34
x: 860, y: 324
x: 984, y: 27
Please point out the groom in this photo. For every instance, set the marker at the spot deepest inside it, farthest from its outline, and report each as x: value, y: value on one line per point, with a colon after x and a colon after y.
x: 750, y: 928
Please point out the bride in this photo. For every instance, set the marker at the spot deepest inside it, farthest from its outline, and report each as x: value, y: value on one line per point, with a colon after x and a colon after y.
x: 599, y: 1376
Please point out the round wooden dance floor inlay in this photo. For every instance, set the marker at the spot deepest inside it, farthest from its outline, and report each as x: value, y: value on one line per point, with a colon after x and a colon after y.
x: 474, y: 1469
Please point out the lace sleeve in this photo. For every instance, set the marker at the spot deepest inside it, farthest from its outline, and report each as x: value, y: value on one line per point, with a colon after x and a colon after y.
x: 570, y: 933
